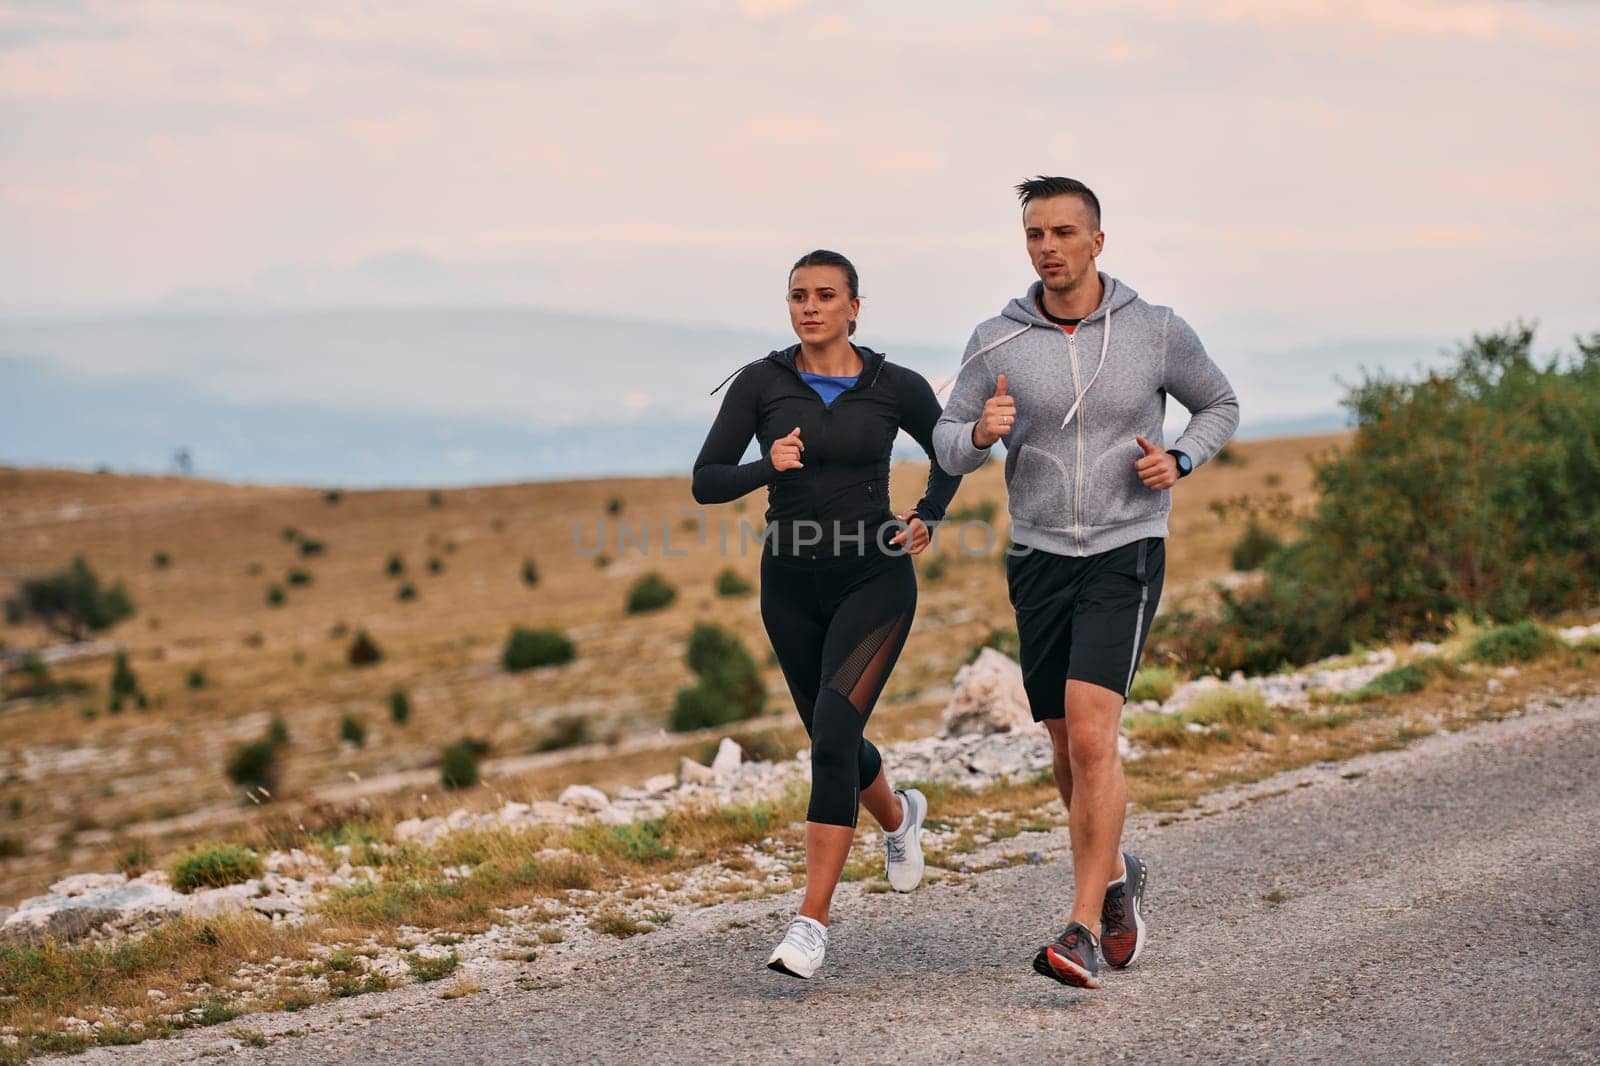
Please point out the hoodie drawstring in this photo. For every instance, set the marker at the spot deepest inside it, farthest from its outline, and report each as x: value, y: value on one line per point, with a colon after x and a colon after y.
x: 730, y: 377
x: 1105, y: 345
x: 991, y: 346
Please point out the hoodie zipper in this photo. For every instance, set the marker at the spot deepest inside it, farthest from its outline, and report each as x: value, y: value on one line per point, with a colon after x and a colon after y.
x: 1077, y: 490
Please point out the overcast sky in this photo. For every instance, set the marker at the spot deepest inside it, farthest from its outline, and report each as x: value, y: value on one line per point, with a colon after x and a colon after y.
x: 1311, y: 184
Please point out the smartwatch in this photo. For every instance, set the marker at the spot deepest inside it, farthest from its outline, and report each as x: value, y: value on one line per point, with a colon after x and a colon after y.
x: 1185, y: 464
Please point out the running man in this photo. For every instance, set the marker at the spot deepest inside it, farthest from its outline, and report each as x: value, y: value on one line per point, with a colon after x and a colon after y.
x: 1074, y: 377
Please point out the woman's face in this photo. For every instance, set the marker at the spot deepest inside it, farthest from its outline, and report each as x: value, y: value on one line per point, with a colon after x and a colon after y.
x: 820, y: 306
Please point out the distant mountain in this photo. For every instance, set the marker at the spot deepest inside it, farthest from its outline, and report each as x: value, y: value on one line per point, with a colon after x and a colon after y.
x: 392, y: 397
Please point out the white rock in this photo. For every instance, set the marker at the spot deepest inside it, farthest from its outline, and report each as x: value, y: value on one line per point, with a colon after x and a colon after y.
x: 729, y: 756
x: 583, y: 798
x: 547, y: 811
x: 512, y: 813
x: 660, y: 783
x: 413, y: 829
x: 988, y: 698
x: 692, y: 773
x: 155, y: 994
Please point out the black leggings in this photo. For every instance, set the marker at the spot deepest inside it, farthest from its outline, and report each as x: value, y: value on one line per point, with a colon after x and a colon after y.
x: 837, y: 626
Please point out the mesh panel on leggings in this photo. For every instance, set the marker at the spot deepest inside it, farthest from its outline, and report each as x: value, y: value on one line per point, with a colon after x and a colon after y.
x: 860, y: 676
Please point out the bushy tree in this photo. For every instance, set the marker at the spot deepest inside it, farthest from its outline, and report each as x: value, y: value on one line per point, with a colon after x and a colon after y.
x: 728, y: 686
x: 71, y: 603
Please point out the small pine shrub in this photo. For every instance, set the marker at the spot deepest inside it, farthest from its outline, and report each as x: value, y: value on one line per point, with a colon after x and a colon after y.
x: 399, y: 707
x: 196, y: 678
x: 298, y: 577
x: 278, y: 730
x: 124, y: 682
x: 651, y: 592
x: 1228, y: 457
x: 364, y: 651
x: 255, y: 766
x: 353, y: 730
x: 291, y: 534
x: 732, y: 583
x: 395, y: 566
x: 729, y: 686
x: 614, y: 505
x: 602, y: 561
x: 527, y: 649
x: 435, y: 498
x: 332, y: 497
x: 1520, y: 642
x: 162, y: 560
x: 1255, y: 547
x: 530, y: 573
x: 310, y: 546
x: 406, y: 592
x: 1396, y: 682
x: 275, y: 596
x: 214, y: 866
x: 1153, y: 683
x: 435, y: 565
x: 934, y: 569
x: 458, y: 765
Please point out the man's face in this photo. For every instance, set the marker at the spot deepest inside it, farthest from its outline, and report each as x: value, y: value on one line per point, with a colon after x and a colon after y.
x: 1063, y: 241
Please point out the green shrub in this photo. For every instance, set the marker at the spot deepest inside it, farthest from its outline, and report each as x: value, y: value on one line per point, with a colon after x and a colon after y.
x: 255, y: 766
x: 729, y: 686
x: 332, y: 496
x: 278, y: 730
x: 650, y: 593
x: 399, y: 707
x: 1244, y: 708
x: 162, y: 560
x: 213, y: 866
x: 1397, y: 682
x: 30, y: 678
x: 1153, y: 683
x: 275, y: 595
x: 352, y: 729
x: 458, y: 764
x: 291, y: 534
x: 614, y: 505
x: 363, y: 651
x: 1228, y: 457
x: 124, y: 682
x: 310, y: 546
x: 602, y: 561
x: 934, y: 569
x: 435, y: 498
x: 1255, y: 547
x: 394, y: 566
x: 527, y: 649
x: 731, y: 583
x: 1518, y: 643
x: 435, y: 565
x: 432, y: 967
x: 298, y: 577
x: 196, y: 678
x: 71, y: 603
x: 530, y: 573
x: 406, y: 592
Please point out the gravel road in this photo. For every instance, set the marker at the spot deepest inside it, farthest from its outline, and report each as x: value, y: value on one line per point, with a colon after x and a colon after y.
x: 1436, y: 904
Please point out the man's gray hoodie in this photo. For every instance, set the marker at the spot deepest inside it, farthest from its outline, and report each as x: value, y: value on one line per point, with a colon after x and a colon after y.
x: 1081, y: 399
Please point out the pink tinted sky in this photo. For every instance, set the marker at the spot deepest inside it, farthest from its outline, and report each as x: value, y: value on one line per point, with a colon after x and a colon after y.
x: 1282, y: 172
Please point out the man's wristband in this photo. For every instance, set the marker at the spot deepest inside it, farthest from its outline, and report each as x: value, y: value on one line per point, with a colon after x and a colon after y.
x: 1185, y: 464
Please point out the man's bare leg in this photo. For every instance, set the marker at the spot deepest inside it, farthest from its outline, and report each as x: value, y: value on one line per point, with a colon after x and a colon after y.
x: 1088, y: 772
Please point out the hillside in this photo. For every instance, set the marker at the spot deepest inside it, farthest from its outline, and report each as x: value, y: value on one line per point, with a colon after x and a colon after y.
x: 80, y: 792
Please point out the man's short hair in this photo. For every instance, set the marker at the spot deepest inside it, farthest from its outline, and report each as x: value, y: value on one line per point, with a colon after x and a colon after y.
x: 1042, y: 188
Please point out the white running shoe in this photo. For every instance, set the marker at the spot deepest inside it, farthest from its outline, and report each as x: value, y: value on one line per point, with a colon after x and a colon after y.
x: 903, y: 847
x: 802, y: 949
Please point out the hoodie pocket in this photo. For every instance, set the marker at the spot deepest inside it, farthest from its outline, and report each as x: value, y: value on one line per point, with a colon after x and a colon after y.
x: 1040, y: 491
x: 1113, y: 495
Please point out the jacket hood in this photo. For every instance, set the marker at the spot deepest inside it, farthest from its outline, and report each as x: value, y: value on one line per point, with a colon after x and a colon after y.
x: 1114, y: 296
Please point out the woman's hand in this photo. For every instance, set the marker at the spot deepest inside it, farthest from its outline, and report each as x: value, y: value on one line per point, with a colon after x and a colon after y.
x: 786, y: 451
x: 918, y: 530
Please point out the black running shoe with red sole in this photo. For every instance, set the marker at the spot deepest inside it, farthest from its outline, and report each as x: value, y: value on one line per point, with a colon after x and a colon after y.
x: 1073, y: 958
x: 1121, y: 923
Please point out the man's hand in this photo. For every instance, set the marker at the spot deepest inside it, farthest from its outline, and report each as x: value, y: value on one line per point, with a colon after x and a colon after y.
x: 786, y: 451
x: 918, y: 530
x: 999, y: 415
x: 1156, y: 469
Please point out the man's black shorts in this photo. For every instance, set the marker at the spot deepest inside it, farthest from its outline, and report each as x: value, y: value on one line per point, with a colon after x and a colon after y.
x: 1083, y: 618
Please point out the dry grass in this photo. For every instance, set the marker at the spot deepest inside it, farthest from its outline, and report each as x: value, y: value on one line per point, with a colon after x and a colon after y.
x: 156, y: 776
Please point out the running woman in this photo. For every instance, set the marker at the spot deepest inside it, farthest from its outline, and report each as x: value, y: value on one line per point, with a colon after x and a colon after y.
x: 838, y: 589
x: 1074, y: 377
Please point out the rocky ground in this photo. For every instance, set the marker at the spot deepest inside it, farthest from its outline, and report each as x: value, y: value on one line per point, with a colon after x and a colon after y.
x: 1433, y: 904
